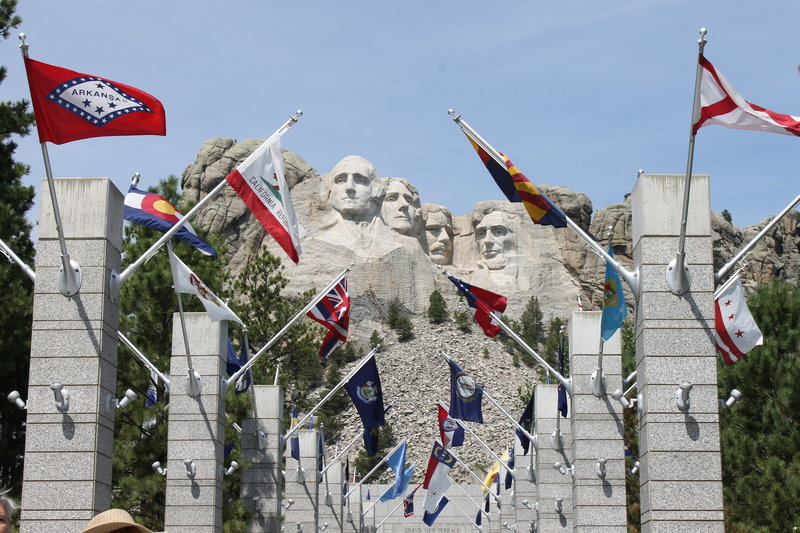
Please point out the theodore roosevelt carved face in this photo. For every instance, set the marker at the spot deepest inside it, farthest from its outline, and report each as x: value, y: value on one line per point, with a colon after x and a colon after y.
x: 438, y: 233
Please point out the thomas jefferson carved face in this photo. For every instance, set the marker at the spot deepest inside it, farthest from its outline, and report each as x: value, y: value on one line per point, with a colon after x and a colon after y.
x: 401, y: 208
x: 355, y: 191
x: 439, y: 234
x: 495, y: 240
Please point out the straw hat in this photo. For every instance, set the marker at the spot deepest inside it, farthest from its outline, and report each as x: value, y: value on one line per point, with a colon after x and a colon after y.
x: 113, y: 520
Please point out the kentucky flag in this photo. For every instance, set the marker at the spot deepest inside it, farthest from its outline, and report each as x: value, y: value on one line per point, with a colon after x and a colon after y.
x: 333, y: 312
x: 465, y: 395
x: 154, y: 211
x: 614, y: 308
x: 365, y: 390
x: 482, y: 304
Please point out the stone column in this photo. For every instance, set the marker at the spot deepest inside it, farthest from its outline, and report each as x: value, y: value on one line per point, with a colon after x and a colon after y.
x: 262, y: 483
x: 67, y: 474
x: 330, y: 498
x: 597, y: 429
x: 196, y: 427
x: 302, y: 515
x: 352, y: 510
x: 524, y: 487
x: 680, y: 475
x: 550, y: 483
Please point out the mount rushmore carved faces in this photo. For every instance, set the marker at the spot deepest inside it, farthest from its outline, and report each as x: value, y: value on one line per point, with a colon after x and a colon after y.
x: 439, y: 233
x: 355, y: 191
x: 496, y: 242
x: 401, y: 209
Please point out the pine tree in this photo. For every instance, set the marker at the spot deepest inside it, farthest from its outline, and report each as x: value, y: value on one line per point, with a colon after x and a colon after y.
x: 531, y: 330
x: 631, y: 434
x: 376, y: 341
x: 437, y: 310
x: 549, y: 351
x: 404, y: 328
x: 16, y: 311
x: 760, y: 435
x: 463, y: 320
x: 394, y: 314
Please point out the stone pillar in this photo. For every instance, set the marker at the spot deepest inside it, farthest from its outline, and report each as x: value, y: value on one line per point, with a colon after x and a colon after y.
x: 597, y: 429
x: 352, y: 510
x: 680, y: 475
x: 524, y: 487
x: 330, y: 498
x: 67, y: 474
x: 550, y: 483
x: 196, y: 427
x: 302, y: 515
x: 262, y: 483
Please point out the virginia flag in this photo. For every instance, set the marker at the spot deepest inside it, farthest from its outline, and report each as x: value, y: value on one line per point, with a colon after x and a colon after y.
x: 186, y: 281
x: 721, y: 104
x: 518, y: 188
x: 437, y: 481
x: 333, y: 312
x: 737, y: 331
x: 465, y: 395
x: 451, y: 432
x: 70, y: 106
x: 614, y: 308
x: 154, y: 211
x: 481, y: 303
x: 260, y: 181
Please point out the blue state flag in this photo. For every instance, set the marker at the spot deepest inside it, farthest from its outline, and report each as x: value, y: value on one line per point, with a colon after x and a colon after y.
x: 525, y: 421
x: 430, y: 518
x: 294, y: 439
x: 465, y: 395
x: 154, y: 211
x: 614, y: 308
x: 562, y: 392
x: 397, y: 462
x: 365, y: 390
x: 234, y: 363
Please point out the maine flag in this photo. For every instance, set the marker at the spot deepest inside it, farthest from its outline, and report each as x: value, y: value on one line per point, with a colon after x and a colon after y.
x: 614, y: 309
x: 154, y: 211
x: 518, y: 188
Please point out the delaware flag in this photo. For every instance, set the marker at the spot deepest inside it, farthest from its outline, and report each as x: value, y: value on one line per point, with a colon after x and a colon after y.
x: 517, y: 188
x: 482, y: 303
x: 614, y: 308
x: 333, y: 312
x: 260, y: 181
x: 154, y: 211
x: 70, y: 106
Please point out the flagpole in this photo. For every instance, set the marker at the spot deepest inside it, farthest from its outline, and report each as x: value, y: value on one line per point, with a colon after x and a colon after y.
x: 631, y: 278
x: 245, y: 367
x: 331, y: 393
x: 597, y: 382
x: 6, y: 249
x: 476, y: 504
x: 338, y: 455
x: 744, y: 251
x: 388, y: 515
x: 194, y: 384
x: 473, y: 474
x: 145, y: 361
x: 471, y: 521
x: 69, y: 277
x: 385, y: 457
x: 679, y: 280
x: 117, y: 280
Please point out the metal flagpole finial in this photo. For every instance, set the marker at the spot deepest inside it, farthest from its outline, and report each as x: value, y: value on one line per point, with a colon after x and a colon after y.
x: 639, y: 173
x: 297, y: 115
x: 452, y: 113
x: 135, y: 178
x: 23, y: 46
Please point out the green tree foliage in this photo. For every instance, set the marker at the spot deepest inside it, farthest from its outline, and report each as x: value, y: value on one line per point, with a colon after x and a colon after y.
x: 463, y: 320
x: 400, y: 322
x: 760, y: 435
x: 549, y: 351
x: 376, y: 341
x: 394, y: 314
x: 15, y: 313
x: 631, y: 433
x: 727, y: 216
x: 437, y: 310
x: 363, y: 464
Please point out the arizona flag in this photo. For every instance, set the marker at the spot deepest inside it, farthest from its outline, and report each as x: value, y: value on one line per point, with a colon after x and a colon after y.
x: 721, y: 104
x: 451, y: 432
x: 333, y: 312
x: 70, y: 106
x: 518, y: 188
x: 260, y: 181
x: 737, y: 331
x: 482, y: 303
x: 154, y: 211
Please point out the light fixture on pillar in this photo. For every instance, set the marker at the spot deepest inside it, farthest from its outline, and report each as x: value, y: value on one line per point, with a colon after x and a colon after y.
x: 301, y: 474
x: 191, y: 468
x: 510, y: 527
x: 257, y: 505
x: 299, y: 527
x: 61, y: 395
x: 557, y: 441
x: 597, y: 383
x: 682, y: 395
x: 563, y: 469
x: 234, y: 466
x: 600, y: 469
x: 559, y: 505
x: 619, y: 396
x: 531, y: 471
x: 735, y: 396
x: 529, y: 505
x: 261, y: 439
x: 113, y: 403
x: 288, y: 503
x: 194, y: 383
x: 349, y: 516
x: 328, y: 499
x: 324, y: 526
x: 14, y: 398
x: 158, y: 468
x: 532, y: 526
x: 634, y: 469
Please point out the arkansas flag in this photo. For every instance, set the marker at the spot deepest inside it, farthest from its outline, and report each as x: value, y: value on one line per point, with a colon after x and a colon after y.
x: 333, y: 312
x: 451, y: 432
x: 260, y: 181
x: 737, y: 332
x: 721, y: 104
x: 481, y: 304
x: 70, y: 106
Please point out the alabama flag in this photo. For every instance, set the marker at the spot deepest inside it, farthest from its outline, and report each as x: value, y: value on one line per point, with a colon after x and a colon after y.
x: 737, y: 332
x: 721, y: 104
x: 69, y: 106
x: 260, y: 181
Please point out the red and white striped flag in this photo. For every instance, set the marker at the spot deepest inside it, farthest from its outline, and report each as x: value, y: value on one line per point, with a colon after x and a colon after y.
x: 721, y: 104
x: 737, y: 331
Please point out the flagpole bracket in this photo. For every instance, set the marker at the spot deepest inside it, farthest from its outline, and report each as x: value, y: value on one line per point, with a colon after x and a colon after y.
x: 69, y: 279
x: 557, y: 441
x: 194, y: 383
x: 114, y: 285
x: 597, y: 383
x: 679, y: 278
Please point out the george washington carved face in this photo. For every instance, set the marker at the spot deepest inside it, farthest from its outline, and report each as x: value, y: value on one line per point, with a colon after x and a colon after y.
x: 354, y: 188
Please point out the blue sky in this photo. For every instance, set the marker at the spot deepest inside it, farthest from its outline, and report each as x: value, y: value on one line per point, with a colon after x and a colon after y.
x: 576, y: 93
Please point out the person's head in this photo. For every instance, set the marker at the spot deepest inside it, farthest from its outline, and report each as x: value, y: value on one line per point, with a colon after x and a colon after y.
x: 114, y: 521
x: 7, y: 507
x: 438, y: 233
x: 401, y: 208
x: 355, y: 191
x: 494, y: 237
